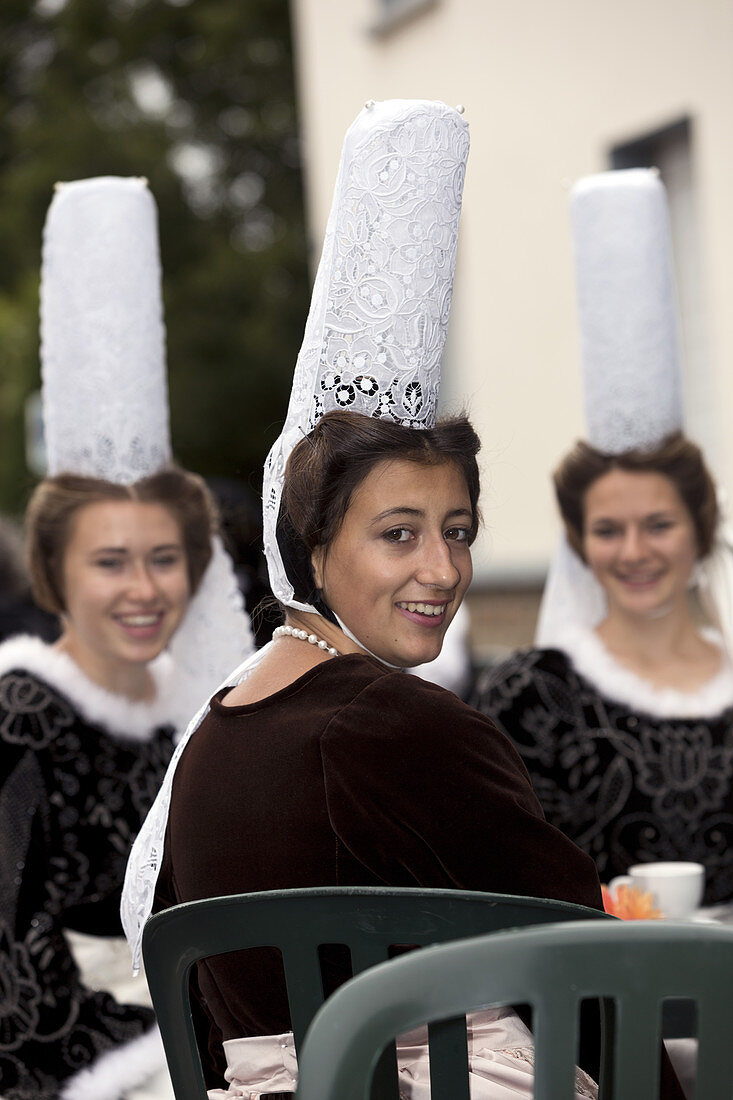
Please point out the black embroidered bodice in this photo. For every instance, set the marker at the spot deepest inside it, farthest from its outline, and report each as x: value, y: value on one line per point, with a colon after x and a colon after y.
x: 72, y: 798
x: 626, y: 787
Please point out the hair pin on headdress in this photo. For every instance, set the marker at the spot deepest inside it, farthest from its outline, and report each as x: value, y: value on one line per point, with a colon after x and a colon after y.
x: 306, y: 437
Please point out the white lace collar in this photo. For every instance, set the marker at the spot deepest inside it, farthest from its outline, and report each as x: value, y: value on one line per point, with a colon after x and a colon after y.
x: 592, y: 660
x: 121, y: 717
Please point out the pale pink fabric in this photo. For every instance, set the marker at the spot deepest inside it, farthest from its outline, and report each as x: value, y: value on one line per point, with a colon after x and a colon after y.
x: 501, y: 1059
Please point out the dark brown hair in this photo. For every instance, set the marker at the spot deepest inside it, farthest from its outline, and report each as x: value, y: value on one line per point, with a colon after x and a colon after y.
x: 57, y: 500
x: 326, y: 468
x: 676, y: 458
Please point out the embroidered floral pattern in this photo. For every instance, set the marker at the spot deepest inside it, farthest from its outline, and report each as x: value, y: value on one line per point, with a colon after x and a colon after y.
x: 31, y: 713
x: 19, y: 994
x: 86, y: 794
x: 627, y: 788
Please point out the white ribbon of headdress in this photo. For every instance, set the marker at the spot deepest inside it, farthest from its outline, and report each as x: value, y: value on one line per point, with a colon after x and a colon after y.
x: 146, y: 857
x: 105, y: 395
x: 372, y: 343
x: 572, y: 597
x: 627, y: 311
x: 715, y: 577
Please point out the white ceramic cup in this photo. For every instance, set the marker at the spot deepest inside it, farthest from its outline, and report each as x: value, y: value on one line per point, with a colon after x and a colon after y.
x: 677, y: 887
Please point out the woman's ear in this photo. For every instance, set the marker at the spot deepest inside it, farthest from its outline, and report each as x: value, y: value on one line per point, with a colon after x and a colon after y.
x: 317, y: 562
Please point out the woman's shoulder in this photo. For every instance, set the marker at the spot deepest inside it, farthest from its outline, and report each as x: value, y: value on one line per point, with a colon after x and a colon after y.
x: 402, y: 734
x: 390, y: 705
x: 529, y: 658
x: 36, y: 678
x: 32, y: 709
x: 29, y: 673
x: 597, y: 668
x: 524, y: 671
x: 25, y: 652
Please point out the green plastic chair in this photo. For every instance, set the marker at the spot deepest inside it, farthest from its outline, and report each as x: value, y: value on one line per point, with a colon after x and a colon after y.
x: 637, y: 964
x: 370, y: 920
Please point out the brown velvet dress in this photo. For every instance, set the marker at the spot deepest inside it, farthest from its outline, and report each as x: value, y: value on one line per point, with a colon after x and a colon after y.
x: 352, y: 775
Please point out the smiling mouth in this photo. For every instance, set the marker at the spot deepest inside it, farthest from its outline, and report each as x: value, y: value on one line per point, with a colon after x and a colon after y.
x: 141, y: 620
x: 641, y: 579
x: 429, y: 610
x: 142, y: 624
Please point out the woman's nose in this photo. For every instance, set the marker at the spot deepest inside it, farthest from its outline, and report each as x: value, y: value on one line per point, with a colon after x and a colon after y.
x: 437, y: 567
x: 142, y: 584
x: 633, y: 546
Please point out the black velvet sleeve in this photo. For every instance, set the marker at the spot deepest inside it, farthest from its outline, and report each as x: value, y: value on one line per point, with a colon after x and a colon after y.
x: 424, y: 790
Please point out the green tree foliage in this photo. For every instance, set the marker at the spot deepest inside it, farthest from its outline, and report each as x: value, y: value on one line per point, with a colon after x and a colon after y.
x: 199, y: 98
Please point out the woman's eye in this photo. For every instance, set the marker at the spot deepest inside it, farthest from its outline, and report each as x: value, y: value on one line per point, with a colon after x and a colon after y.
x: 164, y: 561
x: 398, y: 534
x: 661, y: 525
x: 604, y: 532
x: 109, y: 563
x: 456, y: 534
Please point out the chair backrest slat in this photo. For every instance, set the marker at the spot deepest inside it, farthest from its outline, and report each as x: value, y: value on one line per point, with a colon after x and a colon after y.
x: 555, y: 1032
x: 637, y: 1062
x: 384, y: 1080
x: 368, y: 953
x: 449, y: 1060
x: 715, y: 1054
x: 305, y: 986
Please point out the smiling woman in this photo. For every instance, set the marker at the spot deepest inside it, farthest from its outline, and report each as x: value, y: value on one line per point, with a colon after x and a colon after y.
x: 119, y: 563
x: 623, y: 710
x: 87, y: 728
x: 625, y: 727
x: 336, y: 767
x: 413, y: 576
x: 122, y: 546
x: 399, y: 509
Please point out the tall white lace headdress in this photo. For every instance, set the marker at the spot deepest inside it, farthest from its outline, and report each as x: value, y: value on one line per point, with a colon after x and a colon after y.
x: 379, y: 313
x: 105, y: 395
x: 630, y: 351
x: 372, y: 343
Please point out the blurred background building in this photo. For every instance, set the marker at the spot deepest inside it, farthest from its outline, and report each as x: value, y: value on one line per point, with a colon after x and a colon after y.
x: 552, y: 92
x: 236, y: 109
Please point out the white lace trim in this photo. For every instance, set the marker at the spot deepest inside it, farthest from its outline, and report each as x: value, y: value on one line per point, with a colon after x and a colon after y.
x: 214, y: 637
x: 146, y: 857
x: 117, y: 1071
x: 592, y: 660
x: 121, y: 717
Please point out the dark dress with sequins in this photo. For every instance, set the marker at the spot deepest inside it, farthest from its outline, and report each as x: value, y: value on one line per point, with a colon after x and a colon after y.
x: 72, y: 797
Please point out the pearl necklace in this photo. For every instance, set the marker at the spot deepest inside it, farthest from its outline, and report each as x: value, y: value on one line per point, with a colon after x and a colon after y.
x: 304, y: 636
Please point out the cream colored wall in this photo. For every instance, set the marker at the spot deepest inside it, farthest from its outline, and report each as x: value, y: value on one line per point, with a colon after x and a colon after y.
x: 548, y: 88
